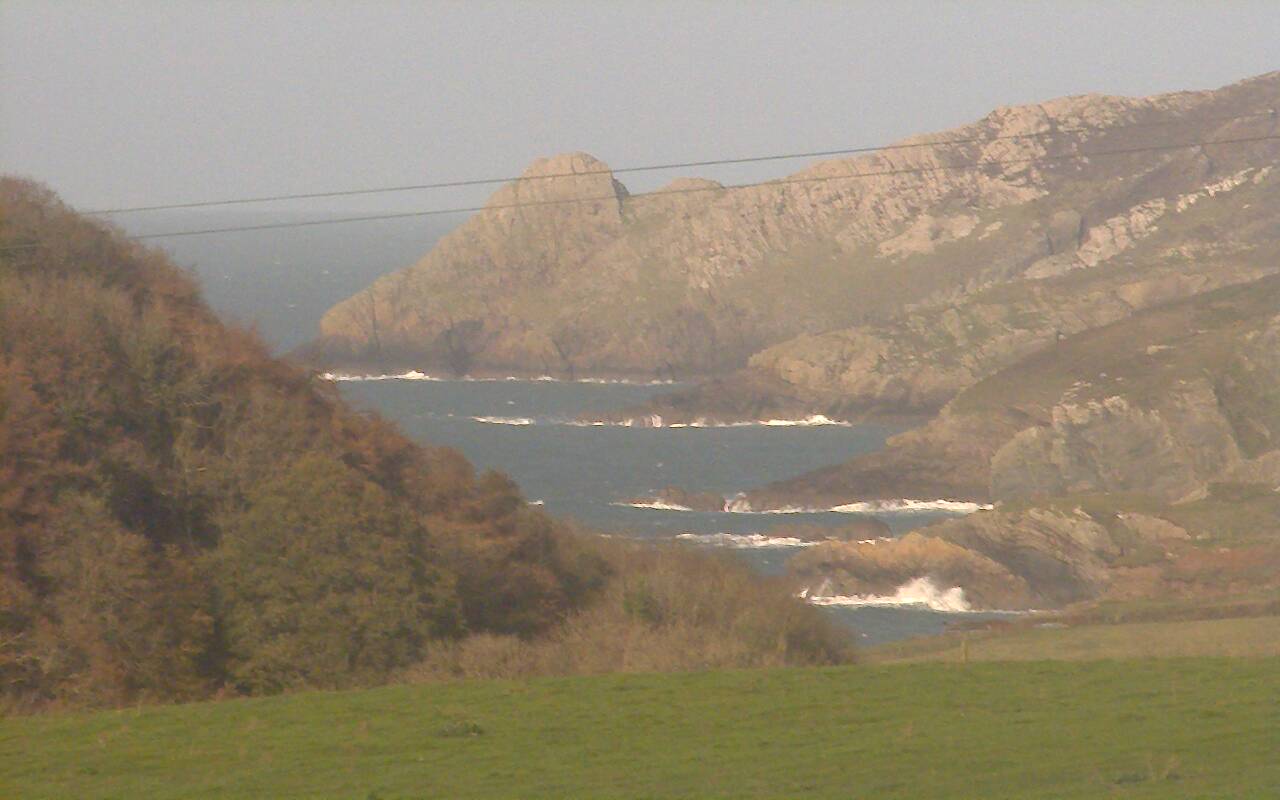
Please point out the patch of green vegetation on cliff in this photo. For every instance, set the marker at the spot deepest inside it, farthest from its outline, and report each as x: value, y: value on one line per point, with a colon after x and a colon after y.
x: 1139, y: 358
x: 1157, y: 729
x: 1230, y: 515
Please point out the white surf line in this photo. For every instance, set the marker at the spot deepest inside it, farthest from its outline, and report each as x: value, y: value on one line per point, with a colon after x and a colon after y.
x: 745, y: 541
x: 739, y: 505
x: 652, y: 505
x: 762, y: 541
x: 736, y: 505
x: 415, y: 375
x: 646, y: 423
x: 504, y: 420
x: 907, y: 506
x: 412, y: 375
x: 915, y: 592
x: 656, y: 421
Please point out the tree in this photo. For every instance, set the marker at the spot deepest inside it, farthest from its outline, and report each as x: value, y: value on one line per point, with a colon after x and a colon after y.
x: 125, y: 620
x: 324, y: 579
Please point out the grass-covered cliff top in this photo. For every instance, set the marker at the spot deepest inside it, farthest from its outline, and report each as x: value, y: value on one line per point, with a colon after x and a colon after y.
x: 1136, y: 729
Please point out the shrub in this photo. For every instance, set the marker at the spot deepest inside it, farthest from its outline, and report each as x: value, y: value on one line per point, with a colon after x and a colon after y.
x: 664, y: 608
x: 322, y: 580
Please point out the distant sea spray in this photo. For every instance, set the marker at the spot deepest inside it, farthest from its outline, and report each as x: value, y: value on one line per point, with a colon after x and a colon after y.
x: 756, y: 541
x: 740, y: 505
x: 656, y: 422
x: 915, y: 592
x: 415, y: 375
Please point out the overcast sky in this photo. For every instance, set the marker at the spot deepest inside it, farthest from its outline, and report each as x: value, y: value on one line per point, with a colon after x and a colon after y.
x: 132, y: 102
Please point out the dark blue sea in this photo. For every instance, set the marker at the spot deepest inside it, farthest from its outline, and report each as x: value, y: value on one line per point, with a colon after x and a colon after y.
x: 282, y: 280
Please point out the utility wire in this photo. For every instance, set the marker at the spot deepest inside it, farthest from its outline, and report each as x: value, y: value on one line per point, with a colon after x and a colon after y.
x: 673, y: 165
x: 980, y: 164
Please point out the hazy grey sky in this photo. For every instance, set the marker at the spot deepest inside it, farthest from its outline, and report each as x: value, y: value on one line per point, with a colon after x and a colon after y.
x: 134, y: 102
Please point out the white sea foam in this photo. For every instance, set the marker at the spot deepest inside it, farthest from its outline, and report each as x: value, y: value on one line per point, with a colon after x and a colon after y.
x: 915, y: 592
x: 505, y: 420
x: 655, y: 505
x: 807, y: 422
x: 411, y: 375
x: 744, y: 540
x: 740, y: 505
x: 415, y: 375
x: 907, y: 506
x: 656, y: 421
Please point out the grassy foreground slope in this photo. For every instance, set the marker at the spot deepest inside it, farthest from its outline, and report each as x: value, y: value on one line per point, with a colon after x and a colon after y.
x: 1249, y: 637
x: 1166, y: 728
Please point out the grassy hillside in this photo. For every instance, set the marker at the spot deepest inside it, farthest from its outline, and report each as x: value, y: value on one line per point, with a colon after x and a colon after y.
x: 1251, y: 637
x: 1158, y: 729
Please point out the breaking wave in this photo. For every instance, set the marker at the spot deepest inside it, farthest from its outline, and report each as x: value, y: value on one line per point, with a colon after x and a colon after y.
x: 650, y: 422
x: 891, y: 506
x: 656, y: 421
x: 915, y: 592
x: 415, y: 375
x: 740, y: 505
x: 654, y: 505
x: 411, y: 375
x: 744, y: 541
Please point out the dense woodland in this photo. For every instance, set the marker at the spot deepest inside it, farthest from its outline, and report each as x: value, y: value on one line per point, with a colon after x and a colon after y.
x: 182, y: 516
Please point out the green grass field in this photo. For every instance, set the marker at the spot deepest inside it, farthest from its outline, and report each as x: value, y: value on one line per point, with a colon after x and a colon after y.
x: 1250, y: 637
x: 1145, y: 728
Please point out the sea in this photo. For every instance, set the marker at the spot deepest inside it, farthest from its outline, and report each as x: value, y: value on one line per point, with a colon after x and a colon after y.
x: 281, y: 280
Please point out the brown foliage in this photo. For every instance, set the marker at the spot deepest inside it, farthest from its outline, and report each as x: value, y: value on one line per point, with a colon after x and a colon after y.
x: 663, y: 609
x: 140, y: 439
x: 181, y: 514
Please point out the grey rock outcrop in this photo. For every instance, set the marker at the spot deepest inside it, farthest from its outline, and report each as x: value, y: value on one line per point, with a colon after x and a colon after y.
x: 566, y: 271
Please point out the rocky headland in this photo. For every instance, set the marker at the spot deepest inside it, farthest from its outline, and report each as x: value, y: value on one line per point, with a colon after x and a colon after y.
x: 1088, y: 327
x: 855, y: 285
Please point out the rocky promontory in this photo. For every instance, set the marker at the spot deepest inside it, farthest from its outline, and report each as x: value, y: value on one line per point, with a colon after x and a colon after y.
x: 857, y: 283
x: 1032, y: 559
x: 1164, y: 403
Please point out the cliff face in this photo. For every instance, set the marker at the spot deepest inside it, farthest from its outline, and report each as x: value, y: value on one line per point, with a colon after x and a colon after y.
x: 1033, y: 558
x: 1140, y: 459
x: 701, y: 277
x: 1163, y: 403
x: 1156, y: 252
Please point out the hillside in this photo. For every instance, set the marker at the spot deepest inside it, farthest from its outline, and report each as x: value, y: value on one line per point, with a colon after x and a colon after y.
x: 1160, y: 252
x: 1165, y: 402
x: 1139, y: 459
x: 182, y: 515
x: 703, y: 279
x: 1139, y: 729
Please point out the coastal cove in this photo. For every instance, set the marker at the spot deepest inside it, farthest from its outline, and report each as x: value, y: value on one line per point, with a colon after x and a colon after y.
x: 595, y: 474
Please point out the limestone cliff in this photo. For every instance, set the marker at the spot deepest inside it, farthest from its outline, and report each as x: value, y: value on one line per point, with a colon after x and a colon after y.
x: 565, y: 271
x: 1164, y: 403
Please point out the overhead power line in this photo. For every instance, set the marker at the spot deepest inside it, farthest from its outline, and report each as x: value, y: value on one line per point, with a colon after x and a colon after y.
x: 979, y: 164
x: 671, y: 165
